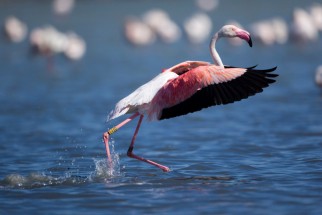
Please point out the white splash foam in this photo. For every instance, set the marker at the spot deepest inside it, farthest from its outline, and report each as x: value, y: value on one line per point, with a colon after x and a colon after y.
x: 32, y: 180
x: 106, y: 170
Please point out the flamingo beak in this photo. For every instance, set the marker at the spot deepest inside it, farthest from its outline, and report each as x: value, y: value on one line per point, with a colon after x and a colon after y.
x: 245, y: 36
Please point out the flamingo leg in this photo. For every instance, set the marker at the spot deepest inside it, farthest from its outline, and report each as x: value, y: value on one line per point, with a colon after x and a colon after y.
x: 131, y: 147
x: 107, y: 134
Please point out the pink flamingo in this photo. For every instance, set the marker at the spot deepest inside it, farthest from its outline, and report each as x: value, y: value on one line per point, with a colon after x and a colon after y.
x: 188, y: 87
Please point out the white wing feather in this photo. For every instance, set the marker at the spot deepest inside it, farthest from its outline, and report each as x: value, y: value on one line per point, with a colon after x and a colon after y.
x: 140, y: 99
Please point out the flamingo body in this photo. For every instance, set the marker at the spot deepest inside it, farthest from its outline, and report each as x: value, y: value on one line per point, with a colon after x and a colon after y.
x: 189, y: 87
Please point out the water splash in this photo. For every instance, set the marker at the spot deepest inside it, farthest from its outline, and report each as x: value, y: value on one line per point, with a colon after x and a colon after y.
x: 105, y: 169
x: 102, y: 173
x: 67, y: 172
x: 36, y: 180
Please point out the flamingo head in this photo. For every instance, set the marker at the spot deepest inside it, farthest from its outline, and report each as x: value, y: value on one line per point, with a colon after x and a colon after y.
x: 233, y: 31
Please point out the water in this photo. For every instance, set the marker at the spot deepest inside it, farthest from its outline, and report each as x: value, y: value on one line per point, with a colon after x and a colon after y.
x: 258, y: 156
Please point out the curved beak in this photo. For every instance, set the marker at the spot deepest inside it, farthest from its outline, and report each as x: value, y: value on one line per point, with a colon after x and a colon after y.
x: 242, y: 34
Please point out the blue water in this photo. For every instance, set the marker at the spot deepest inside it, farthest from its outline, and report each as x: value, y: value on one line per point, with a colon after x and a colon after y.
x: 262, y: 155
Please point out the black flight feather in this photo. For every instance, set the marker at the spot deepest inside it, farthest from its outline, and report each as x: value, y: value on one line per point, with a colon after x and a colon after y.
x: 251, y: 82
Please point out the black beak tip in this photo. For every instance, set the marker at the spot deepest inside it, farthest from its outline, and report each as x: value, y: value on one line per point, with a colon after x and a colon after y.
x: 250, y: 42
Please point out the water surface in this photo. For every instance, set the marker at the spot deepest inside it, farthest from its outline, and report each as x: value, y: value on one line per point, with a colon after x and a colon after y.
x: 258, y: 156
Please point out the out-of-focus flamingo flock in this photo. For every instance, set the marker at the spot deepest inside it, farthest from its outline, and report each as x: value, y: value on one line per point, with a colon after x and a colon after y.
x: 155, y: 24
x: 47, y: 40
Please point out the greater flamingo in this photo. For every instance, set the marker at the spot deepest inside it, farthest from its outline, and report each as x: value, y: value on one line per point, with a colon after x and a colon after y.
x: 188, y: 87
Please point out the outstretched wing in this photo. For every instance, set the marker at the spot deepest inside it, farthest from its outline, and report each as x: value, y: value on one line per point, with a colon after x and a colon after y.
x: 223, y: 91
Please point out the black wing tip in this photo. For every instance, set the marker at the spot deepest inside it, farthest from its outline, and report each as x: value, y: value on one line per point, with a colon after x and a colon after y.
x: 266, y: 71
x: 251, y: 67
x: 266, y: 74
x: 272, y: 69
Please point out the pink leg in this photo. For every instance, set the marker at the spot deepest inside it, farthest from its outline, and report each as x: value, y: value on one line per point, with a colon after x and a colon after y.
x: 131, y: 147
x: 107, y: 134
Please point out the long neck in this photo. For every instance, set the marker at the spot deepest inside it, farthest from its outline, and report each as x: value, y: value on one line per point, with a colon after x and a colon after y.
x: 213, y: 51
